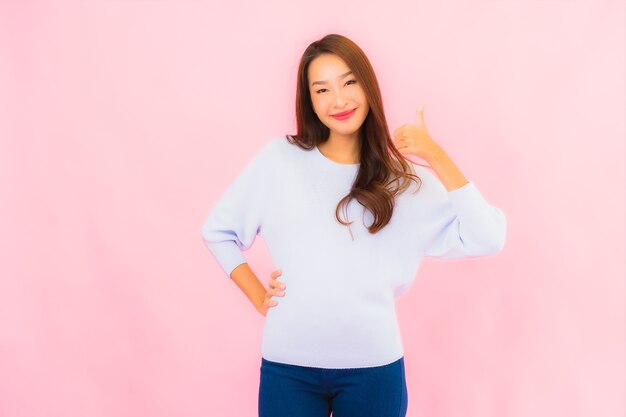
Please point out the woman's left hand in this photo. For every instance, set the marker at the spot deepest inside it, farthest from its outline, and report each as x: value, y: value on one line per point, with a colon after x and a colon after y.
x: 413, y: 139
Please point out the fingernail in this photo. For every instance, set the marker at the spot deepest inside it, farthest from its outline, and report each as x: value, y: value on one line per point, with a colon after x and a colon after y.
x: 282, y: 286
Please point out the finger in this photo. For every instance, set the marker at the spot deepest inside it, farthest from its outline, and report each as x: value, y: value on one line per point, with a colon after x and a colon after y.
x: 277, y: 290
x: 275, y: 274
x: 277, y: 284
x: 400, y: 143
x: 419, y: 116
x: 278, y: 293
x: 268, y: 297
x: 397, y: 137
x: 399, y: 131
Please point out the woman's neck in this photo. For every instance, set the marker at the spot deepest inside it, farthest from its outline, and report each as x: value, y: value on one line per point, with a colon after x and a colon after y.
x: 341, y: 149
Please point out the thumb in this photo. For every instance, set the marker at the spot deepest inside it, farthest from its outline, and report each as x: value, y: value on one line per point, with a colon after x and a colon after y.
x: 419, y: 116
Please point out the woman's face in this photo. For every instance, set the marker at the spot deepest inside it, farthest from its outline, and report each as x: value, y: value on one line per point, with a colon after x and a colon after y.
x: 334, y: 89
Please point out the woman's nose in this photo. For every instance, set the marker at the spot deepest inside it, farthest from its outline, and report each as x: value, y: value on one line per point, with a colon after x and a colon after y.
x: 339, y: 100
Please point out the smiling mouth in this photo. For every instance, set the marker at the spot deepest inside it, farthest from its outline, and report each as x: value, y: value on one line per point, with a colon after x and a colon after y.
x: 343, y: 113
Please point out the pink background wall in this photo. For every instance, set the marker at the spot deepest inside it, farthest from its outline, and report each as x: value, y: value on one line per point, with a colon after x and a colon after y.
x: 122, y: 122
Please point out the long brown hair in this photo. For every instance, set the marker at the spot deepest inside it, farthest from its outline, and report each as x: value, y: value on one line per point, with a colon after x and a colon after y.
x: 380, y: 174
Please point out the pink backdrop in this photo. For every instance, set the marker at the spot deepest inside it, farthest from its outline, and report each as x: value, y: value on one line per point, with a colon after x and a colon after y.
x: 122, y: 123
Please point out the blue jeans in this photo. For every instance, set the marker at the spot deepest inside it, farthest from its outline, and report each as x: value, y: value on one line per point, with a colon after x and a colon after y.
x: 289, y: 390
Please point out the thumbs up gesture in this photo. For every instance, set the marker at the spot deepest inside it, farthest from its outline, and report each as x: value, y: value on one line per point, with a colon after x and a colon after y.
x: 413, y: 139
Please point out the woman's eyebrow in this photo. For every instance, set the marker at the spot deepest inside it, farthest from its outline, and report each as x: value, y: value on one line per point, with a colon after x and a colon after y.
x: 324, y: 82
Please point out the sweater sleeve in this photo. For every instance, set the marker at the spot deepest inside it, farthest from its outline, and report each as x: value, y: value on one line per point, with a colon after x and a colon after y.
x: 235, y: 220
x: 464, y: 224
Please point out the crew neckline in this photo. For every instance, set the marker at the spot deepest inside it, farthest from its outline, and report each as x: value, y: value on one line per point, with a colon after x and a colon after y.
x: 334, y: 163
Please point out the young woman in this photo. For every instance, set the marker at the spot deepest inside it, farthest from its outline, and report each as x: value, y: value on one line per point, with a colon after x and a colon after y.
x: 335, y: 207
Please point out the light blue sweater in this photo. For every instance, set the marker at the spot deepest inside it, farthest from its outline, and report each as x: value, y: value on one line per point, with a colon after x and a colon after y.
x: 338, y: 310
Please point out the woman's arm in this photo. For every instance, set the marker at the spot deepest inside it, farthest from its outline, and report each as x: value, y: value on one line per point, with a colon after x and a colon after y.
x: 414, y: 139
x: 447, y: 171
x: 251, y: 286
x: 249, y: 283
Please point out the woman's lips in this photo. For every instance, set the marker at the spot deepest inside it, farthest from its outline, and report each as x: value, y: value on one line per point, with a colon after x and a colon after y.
x: 344, y: 115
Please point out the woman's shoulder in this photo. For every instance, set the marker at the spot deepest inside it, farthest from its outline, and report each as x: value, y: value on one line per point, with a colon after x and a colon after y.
x: 281, y: 147
x: 277, y: 143
x: 272, y: 147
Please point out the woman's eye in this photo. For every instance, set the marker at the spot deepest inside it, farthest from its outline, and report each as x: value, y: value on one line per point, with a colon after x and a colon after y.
x: 323, y: 89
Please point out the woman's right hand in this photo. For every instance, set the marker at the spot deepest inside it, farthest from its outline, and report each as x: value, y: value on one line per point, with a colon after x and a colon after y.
x: 276, y: 288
